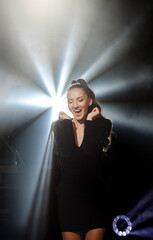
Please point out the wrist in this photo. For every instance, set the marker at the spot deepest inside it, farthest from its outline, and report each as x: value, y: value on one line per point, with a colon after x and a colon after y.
x: 89, y: 119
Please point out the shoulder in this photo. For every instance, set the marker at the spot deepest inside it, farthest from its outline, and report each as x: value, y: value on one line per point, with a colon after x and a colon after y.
x: 59, y: 125
x: 103, y: 122
x: 63, y: 136
x: 105, y: 132
x: 62, y: 129
x: 99, y: 127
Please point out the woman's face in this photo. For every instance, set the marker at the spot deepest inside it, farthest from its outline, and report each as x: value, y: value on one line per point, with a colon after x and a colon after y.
x: 78, y: 103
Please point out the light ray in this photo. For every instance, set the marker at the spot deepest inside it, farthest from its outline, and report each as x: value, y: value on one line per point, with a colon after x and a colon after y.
x: 143, y: 210
x: 146, y: 233
x: 35, y: 62
x: 130, y: 115
x: 46, y: 75
x: 114, y: 53
x: 76, y: 41
x: 20, y: 100
x: 115, y: 86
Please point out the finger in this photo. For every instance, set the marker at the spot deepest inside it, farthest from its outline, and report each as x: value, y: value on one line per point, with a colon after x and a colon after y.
x: 60, y: 113
x: 94, y: 109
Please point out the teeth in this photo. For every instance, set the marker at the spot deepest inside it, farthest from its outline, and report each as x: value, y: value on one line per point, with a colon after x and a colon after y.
x: 77, y: 111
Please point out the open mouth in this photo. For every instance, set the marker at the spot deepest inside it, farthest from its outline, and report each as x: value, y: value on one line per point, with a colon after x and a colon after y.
x: 77, y: 112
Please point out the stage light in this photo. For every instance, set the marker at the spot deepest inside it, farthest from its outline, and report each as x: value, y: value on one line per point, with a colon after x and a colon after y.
x: 59, y: 104
x: 142, y: 213
x: 122, y: 225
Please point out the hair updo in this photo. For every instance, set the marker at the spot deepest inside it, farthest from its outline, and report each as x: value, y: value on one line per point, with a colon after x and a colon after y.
x: 81, y: 83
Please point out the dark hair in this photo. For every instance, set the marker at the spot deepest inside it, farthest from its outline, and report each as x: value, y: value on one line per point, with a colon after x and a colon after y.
x: 81, y: 83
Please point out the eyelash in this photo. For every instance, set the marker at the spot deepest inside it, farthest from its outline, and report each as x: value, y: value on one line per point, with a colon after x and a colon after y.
x: 80, y: 100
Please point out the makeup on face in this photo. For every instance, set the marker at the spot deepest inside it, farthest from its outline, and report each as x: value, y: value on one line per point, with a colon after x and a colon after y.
x: 78, y: 103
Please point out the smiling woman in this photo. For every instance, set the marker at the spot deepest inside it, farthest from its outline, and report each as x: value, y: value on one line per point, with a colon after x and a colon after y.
x: 79, y: 146
x: 78, y: 103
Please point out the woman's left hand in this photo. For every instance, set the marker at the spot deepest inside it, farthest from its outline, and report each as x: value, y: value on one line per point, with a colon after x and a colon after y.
x: 95, y: 113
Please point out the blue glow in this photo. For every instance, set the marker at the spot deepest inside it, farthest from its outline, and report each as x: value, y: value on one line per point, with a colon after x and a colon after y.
x: 146, y: 232
x: 143, y: 209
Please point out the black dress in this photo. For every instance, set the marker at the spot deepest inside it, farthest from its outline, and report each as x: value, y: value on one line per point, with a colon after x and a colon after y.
x: 80, y: 187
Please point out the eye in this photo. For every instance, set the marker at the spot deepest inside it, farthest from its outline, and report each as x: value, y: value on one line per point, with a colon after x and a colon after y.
x: 69, y: 101
x: 80, y: 100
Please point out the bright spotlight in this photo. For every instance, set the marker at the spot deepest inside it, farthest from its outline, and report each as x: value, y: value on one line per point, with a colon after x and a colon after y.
x: 122, y: 225
x: 59, y: 104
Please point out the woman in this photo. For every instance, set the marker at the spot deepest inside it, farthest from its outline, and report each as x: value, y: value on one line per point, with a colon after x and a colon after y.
x: 79, y: 146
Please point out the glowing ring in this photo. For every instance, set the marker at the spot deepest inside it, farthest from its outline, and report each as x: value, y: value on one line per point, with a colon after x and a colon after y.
x: 127, y: 230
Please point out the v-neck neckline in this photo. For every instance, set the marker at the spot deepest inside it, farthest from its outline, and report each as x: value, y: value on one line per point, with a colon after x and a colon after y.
x: 74, y: 136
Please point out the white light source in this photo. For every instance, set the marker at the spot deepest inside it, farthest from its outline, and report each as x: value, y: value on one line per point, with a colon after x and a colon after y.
x: 59, y: 104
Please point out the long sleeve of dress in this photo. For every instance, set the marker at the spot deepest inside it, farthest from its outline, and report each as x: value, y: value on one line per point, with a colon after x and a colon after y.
x: 98, y: 134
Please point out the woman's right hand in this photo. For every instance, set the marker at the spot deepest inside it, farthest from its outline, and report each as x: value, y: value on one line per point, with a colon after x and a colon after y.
x: 62, y: 116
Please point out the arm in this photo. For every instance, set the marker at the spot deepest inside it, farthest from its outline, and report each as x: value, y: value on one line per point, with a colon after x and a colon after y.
x: 98, y: 133
x: 95, y: 113
x: 108, y: 137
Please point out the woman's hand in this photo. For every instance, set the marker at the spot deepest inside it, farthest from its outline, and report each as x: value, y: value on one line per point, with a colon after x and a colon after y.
x: 62, y: 116
x: 95, y: 113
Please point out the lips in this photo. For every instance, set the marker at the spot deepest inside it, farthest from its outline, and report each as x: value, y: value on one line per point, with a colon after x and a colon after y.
x: 77, y: 112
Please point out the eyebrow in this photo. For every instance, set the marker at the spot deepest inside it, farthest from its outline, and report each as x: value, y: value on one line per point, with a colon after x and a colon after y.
x: 77, y: 98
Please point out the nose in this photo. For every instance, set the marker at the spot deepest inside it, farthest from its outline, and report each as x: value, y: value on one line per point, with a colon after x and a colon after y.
x: 75, y: 104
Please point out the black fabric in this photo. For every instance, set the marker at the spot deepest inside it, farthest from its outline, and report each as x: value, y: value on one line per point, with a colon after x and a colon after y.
x: 79, y: 183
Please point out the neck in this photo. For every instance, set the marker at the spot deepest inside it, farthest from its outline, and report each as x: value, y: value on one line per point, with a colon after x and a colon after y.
x: 80, y: 123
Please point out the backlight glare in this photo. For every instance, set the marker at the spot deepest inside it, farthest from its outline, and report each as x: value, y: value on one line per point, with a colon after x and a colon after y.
x: 59, y: 104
